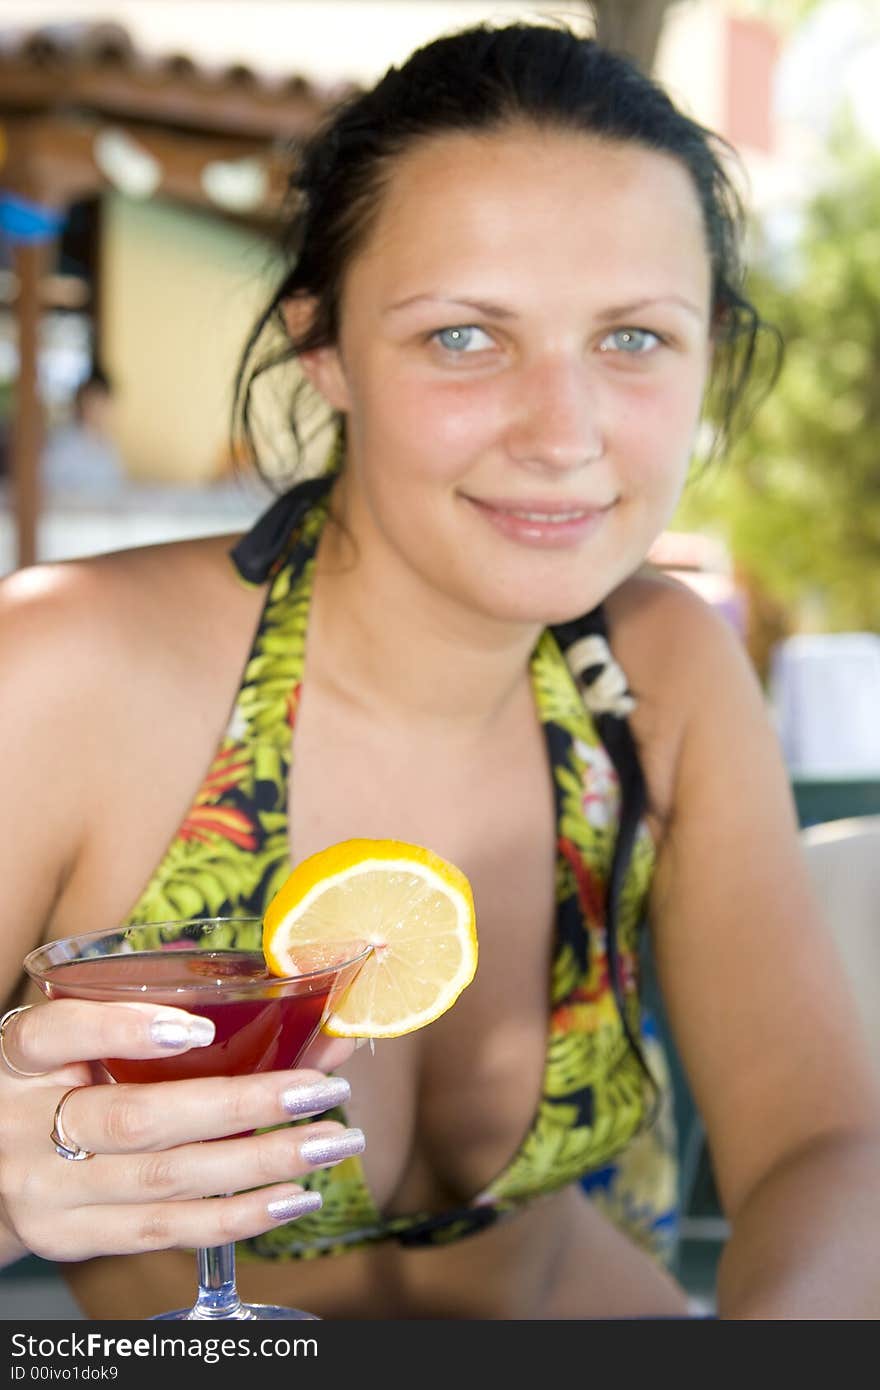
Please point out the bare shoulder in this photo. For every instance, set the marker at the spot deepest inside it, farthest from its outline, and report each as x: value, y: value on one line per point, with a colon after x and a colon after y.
x: 665, y: 634
x: 61, y: 618
x: 684, y: 663
x: 111, y: 668
x: 158, y: 623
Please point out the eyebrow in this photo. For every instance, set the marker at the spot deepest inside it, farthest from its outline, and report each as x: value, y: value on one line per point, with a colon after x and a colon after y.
x: 618, y: 311
x: 497, y: 311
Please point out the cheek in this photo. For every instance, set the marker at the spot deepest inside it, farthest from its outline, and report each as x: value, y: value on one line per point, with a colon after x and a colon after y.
x: 655, y: 435
x: 430, y: 428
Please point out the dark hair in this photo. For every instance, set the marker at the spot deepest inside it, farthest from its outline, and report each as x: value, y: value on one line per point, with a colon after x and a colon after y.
x: 98, y: 381
x: 98, y: 376
x: 485, y: 79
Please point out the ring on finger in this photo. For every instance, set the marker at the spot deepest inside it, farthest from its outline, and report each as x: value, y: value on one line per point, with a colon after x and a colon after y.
x: 4, y: 1024
x: 65, y: 1147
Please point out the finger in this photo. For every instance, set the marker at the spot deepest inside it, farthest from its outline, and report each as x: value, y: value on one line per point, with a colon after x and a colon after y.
x: 209, y: 1170
x: 6, y: 1023
x: 113, y: 1230
x: 149, y: 1117
x: 326, y: 1054
x: 52, y: 1035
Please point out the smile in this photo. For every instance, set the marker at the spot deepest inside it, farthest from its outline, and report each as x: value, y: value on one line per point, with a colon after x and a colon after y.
x: 546, y: 525
x: 547, y: 516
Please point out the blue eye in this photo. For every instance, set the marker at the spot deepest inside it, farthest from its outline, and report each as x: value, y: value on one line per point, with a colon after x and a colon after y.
x: 466, y: 338
x: 632, y: 341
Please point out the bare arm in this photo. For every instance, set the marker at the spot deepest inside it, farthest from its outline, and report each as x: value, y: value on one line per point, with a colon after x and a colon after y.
x: 60, y: 684
x: 44, y: 726
x: 759, y: 1004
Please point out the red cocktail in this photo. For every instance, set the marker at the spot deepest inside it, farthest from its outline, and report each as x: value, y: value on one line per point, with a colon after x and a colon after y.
x: 260, y: 1029
x: 210, y: 967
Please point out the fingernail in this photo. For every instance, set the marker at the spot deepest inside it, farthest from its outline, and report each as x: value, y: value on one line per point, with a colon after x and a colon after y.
x: 316, y: 1096
x: 179, y: 1033
x: 332, y: 1148
x: 289, y: 1208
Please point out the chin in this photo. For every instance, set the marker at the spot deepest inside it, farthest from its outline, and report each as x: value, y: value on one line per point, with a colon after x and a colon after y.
x: 554, y: 592
x: 534, y: 612
x: 552, y: 601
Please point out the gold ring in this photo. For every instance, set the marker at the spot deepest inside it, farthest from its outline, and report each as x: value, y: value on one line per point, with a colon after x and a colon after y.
x: 64, y: 1146
x: 4, y: 1024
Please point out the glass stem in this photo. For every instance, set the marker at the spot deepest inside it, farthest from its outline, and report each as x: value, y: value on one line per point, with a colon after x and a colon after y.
x: 218, y: 1297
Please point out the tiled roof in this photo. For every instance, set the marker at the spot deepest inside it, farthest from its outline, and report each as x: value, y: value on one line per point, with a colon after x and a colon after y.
x: 94, y: 68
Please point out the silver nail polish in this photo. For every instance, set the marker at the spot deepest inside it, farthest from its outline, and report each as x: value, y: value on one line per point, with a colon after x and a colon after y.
x: 315, y: 1096
x: 300, y: 1204
x: 178, y: 1034
x: 332, y: 1148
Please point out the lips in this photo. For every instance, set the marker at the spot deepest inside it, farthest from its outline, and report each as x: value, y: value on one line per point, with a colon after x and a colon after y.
x: 534, y: 514
x: 542, y: 522
x: 542, y: 511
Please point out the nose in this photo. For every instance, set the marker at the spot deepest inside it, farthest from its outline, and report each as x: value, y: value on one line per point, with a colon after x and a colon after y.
x: 556, y: 424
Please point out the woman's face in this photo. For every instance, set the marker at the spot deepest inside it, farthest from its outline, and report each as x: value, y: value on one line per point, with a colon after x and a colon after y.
x: 523, y: 349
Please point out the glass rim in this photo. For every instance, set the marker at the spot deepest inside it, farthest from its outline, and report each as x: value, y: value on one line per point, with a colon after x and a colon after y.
x: 38, y: 972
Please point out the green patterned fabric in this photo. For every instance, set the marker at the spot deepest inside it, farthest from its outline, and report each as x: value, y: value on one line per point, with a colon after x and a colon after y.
x: 231, y: 854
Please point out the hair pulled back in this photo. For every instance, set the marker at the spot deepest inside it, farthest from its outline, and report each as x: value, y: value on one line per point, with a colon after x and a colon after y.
x: 481, y: 80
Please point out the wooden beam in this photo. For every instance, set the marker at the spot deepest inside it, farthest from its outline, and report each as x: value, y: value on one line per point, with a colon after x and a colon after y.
x: 51, y: 160
x: 234, y: 102
x: 29, y: 261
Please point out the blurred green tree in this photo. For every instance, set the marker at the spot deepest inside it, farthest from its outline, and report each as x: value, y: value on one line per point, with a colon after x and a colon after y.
x: 798, y: 498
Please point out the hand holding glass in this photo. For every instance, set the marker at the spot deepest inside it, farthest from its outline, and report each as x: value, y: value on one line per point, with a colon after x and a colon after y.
x: 262, y: 1023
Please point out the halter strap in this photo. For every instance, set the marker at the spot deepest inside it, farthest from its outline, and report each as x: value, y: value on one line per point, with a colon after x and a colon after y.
x: 259, y: 551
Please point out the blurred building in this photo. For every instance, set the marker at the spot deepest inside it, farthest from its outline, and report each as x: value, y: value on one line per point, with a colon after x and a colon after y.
x: 171, y: 280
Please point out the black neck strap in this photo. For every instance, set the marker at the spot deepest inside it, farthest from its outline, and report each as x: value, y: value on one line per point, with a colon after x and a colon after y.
x: 258, y: 552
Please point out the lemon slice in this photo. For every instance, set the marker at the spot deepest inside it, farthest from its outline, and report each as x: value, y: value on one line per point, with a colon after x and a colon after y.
x: 415, y: 909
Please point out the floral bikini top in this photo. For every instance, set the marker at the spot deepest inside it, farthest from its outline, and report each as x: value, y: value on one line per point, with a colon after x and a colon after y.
x: 231, y: 854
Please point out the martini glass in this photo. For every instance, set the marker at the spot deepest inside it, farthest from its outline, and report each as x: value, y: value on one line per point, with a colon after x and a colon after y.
x: 213, y: 967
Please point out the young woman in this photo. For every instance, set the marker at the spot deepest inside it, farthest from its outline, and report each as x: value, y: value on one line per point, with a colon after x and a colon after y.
x: 514, y: 276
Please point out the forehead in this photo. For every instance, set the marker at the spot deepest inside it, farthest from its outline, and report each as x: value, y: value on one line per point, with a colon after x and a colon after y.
x: 528, y: 199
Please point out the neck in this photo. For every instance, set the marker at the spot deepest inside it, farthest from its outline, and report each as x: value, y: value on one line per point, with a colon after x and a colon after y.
x: 386, y: 641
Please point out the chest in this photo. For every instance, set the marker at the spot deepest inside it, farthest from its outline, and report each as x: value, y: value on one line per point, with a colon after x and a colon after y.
x: 451, y: 1101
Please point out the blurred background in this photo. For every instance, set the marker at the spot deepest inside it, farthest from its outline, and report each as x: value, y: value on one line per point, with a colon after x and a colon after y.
x: 143, y: 146
x: 142, y: 156
x: 142, y: 153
